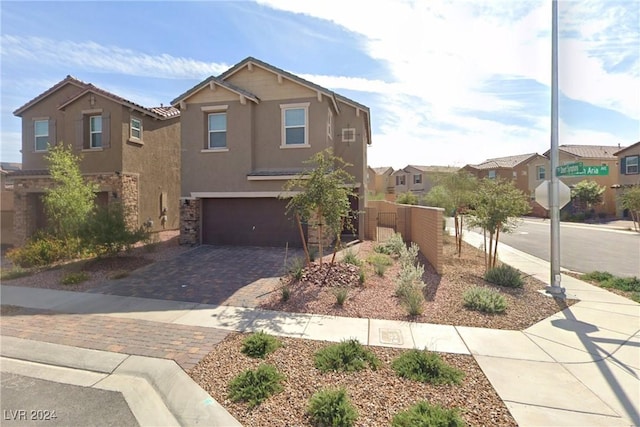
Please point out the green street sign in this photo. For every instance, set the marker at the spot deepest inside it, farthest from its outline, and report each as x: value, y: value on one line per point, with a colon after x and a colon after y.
x: 578, y: 169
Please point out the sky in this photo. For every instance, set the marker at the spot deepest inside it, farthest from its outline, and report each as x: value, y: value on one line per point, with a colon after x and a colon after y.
x: 448, y: 83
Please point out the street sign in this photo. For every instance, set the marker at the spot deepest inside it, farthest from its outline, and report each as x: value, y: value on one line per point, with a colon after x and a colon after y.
x: 579, y: 169
x: 542, y: 194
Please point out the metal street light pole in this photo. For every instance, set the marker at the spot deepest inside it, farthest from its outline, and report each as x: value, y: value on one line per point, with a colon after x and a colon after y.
x: 555, y: 289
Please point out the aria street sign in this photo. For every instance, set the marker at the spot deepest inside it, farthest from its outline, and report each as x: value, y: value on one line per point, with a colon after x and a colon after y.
x: 542, y: 194
x: 579, y: 169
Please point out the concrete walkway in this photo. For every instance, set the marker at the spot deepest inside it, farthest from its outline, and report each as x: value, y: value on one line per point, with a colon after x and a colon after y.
x: 580, y: 367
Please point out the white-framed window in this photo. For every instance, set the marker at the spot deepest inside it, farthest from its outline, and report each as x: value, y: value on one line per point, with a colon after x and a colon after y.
x: 330, y: 123
x: 492, y: 174
x: 348, y: 135
x: 417, y: 178
x: 541, y: 173
x: 217, y: 131
x: 41, y: 131
x: 295, y: 129
x: 400, y: 180
x: 136, y: 129
x: 95, y: 131
x: 632, y: 165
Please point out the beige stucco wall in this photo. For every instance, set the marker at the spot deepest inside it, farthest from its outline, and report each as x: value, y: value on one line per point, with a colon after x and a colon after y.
x: 6, y: 212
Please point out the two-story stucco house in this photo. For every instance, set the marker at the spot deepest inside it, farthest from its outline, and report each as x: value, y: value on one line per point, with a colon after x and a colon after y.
x: 131, y: 152
x: 379, y: 180
x: 244, y: 134
x: 629, y: 161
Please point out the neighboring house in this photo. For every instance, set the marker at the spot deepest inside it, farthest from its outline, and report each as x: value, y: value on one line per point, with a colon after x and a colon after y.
x: 6, y: 202
x: 420, y: 179
x: 527, y: 171
x: 379, y: 180
x: 248, y: 131
x: 629, y: 172
x: 130, y: 151
x: 592, y: 155
x: 400, y: 181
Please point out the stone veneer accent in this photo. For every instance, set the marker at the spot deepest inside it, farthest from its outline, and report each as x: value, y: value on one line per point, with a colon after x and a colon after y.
x: 125, y: 188
x: 190, y: 221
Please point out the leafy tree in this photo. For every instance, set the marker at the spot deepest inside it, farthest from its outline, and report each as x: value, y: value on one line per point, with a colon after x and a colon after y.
x: 106, y: 231
x: 497, y: 205
x: 324, y: 193
x: 585, y: 194
x: 630, y: 199
x: 454, y: 193
x: 70, y: 201
x: 407, y: 198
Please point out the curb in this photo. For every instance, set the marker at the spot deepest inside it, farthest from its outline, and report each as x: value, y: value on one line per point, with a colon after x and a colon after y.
x: 178, y: 401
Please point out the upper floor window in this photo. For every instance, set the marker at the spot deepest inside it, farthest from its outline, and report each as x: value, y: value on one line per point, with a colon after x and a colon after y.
x: 41, y: 130
x: 95, y: 131
x: 541, y: 173
x: 294, y: 125
x: 631, y: 165
x: 217, y: 130
x: 136, y: 129
x: 400, y: 180
x: 492, y: 174
x: 417, y: 178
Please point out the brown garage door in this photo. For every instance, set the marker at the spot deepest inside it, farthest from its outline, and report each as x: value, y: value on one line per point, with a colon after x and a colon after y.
x: 248, y: 222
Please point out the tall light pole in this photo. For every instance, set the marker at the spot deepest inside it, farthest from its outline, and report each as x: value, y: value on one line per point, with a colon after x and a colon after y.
x: 555, y: 289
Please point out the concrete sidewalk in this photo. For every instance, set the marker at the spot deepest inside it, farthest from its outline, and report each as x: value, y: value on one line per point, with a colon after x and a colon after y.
x: 580, y: 367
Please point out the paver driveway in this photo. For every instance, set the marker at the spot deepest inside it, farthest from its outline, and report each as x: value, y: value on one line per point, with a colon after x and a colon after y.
x: 220, y: 275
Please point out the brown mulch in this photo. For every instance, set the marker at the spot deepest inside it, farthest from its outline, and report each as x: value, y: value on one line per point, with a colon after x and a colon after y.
x: 377, y: 395
x: 443, y: 294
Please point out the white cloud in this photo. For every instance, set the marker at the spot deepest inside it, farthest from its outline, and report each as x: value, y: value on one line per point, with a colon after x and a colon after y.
x: 93, y: 56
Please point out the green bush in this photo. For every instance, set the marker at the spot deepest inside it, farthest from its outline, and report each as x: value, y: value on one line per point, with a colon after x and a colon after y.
x: 380, y: 269
x: 14, y: 273
x: 382, y: 249
x: 331, y: 407
x: 43, y: 250
x: 413, y: 301
x: 346, y: 356
x: 285, y: 293
x: 341, y: 295
x: 106, y: 232
x: 254, y: 387
x: 427, y: 367
x: 504, y: 275
x: 361, y: 277
x: 74, y: 278
x: 395, y: 244
x: 423, y: 414
x: 485, y: 300
x: 597, y: 276
x: 407, y: 198
x: 296, y: 268
x: 629, y: 284
x: 350, y: 257
x: 380, y: 259
x: 259, y: 344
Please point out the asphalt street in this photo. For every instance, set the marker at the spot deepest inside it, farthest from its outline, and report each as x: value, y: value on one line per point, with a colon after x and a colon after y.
x: 30, y: 401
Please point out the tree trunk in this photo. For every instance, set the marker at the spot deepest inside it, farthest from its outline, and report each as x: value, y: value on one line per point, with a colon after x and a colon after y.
x: 495, y: 249
x: 320, y: 252
x: 484, y: 230
x: 304, y: 241
x: 460, y: 237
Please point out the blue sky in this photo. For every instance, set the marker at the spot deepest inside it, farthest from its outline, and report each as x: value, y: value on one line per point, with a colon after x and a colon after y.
x: 447, y: 82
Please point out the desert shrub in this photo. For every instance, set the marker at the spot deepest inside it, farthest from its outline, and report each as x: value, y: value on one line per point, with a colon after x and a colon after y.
x: 380, y: 269
x: 485, y: 300
x: 43, y: 250
x: 395, y: 244
x: 285, y: 293
x: 14, y: 273
x: 74, y: 278
x: 255, y: 386
x: 296, y: 268
x: 341, y: 295
x: 597, y: 276
x: 362, y: 277
x: 426, y: 367
x: 380, y: 258
x: 259, y: 344
x: 423, y: 414
x: 504, y: 275
x: 106, y: 231
x: 347, y: 356
x: 410, y: 275
x: 412, y: 300
x: 350, y: 257
x: 409, y: 255
x: 382, y: 249
x: 407, y: 198
x: 331, y: 407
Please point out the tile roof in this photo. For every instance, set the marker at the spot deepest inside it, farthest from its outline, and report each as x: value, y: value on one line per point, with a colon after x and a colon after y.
x: 436, y: 169
x: 621, y: 149
x: 589, y: 151
x: 503, y: 162
x: 88, y: 87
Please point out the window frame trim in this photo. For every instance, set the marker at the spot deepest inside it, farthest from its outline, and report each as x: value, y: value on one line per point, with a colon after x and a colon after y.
x: 91, y: 132
x: 283, y: 128
x: 131, y: 136
x: 209, y: 131
x: 35, y: 134
x: 637, y: 165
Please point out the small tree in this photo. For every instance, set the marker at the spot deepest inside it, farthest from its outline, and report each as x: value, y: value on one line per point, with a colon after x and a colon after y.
x: 70, y: 201
x: 630, y: 199
x: 585, y: 194
x: 498, y: 204
x: 454, y: 193
x: 324, y: 193
x: 106, y: 231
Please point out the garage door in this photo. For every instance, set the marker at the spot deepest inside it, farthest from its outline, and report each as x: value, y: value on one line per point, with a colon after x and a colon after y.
x: 248, y: 222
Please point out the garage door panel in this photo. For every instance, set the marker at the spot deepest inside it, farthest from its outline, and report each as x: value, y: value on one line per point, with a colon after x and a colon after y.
x: 248, y: 222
